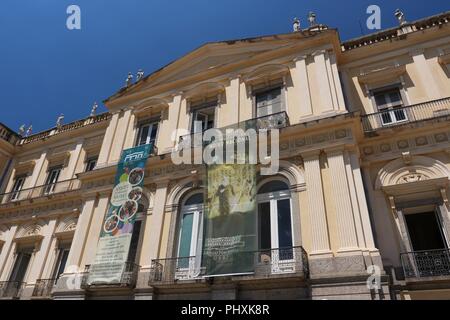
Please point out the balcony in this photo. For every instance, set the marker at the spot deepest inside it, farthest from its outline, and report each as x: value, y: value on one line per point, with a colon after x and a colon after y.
x: 11, y: 289
x: 43, y: 288
x: 426, y: 264
x: 40, y: 191
x: 403, y: 115
x: 271, y: 263
x: 273, y: 121
x: 128, y: 277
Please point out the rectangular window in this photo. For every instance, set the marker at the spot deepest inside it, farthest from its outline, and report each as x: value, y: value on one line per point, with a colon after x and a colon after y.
x: 20, y: 266
x: 203, y: 117
x: 90, y: 164
x: 390, y: 104
x: 61, y: 262
x: 147, y: 133
x: 52, y: 179
x: 17, y: 187
x: 268, y: 102
x: 132, y: 253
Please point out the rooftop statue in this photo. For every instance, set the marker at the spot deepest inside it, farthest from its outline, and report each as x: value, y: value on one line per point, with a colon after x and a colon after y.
x: 59, y: 121
x: 400, y: 17
x: 312, y: 19
x: 296, y: 25
x: 139, y: 75
x: 129, y: 80
x: 21, y: 130
x: 94, y: 110
x: 29, y: 130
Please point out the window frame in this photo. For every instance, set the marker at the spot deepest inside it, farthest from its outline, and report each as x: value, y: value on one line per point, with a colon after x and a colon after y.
x: 390, y: 110
x: 140, y: 127
x: 196, y: 108
x: 272, y: 198
x: 49, y: 187
x: 261, y: 89
x: 15, y: 194
x: 88, y: 161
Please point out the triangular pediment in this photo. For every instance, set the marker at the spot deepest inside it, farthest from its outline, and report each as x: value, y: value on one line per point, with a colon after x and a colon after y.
x: 213, y: 56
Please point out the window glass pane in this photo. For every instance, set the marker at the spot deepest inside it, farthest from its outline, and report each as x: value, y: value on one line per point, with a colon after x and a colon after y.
x: 284, y: 224
x: 134, y: 241
x: 64, y: 254
x: 143, y: 133
x: 91, y: 164
x: 185, y: 236
x: 265, y: 241
x: 195, y: 199
x: 153, y: 133
x: 20, y: 266
x: 273, y: 186
x: 380, y: 99
x: 395, y: 97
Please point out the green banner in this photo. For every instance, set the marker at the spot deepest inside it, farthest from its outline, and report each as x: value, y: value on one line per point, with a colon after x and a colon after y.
x: 230, y: 228
x: 117, y: 228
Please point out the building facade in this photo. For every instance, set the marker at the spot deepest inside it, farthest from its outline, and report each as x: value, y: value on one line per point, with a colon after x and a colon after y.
x: 362, y: 191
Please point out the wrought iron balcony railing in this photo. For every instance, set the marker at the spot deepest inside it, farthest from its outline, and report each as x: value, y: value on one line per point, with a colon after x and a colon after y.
x: 40, y: 191
x: 11, y: 289
x: 268, y: 263
x: 273, y: 121
x: 425, y: 264
x: 397, y: 116
x: 43, y: 288
x: 128, y: 276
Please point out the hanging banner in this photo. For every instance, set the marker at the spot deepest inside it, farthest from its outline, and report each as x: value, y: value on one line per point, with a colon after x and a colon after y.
x: 117, y: 228
x: 230, y: 219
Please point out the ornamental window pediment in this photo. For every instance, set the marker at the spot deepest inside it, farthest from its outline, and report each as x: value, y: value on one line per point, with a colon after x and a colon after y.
x: 380, y: 74
x: 412, y: 173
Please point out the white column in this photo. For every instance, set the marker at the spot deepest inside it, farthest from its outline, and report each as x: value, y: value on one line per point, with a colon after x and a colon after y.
x: 316, y: 205
x: 131, y: 132
x: 336, y: 81
x: 362, y: 201
x: 6, y: 252
x: 323, y: 83
x: 425, y: 74
x: 153, y: 228
x: 119, y: 136
x: 169, y: 126
x: 37, y: 170
x: 81, y: 233
x: 303, y: 83
x: 94, y: 230
x: 344, y: 212
x: 232, y: 112
x: 107, y: 141
x: 41, y: 256
x: 74, y: 158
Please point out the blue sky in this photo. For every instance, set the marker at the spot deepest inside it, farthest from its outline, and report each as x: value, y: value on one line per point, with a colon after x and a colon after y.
x: 46, y: 69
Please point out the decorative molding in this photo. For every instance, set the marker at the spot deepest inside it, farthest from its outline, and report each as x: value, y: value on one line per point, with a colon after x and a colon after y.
x: 393, y: 206
x: 375, y: 150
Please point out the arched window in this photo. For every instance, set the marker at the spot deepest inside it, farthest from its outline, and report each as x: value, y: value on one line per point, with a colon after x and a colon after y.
x: 274, y: 217
x: 190, y: 231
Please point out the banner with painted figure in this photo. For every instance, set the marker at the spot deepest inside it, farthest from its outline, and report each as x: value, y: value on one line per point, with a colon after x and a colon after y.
x: 115, y: 238
x: 230, y: 238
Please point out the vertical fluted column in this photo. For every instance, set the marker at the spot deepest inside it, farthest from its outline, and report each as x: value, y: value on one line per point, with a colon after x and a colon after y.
x: 81, y: 233
x: 153, y: 227
x: 303, y: 82
x: 323, y: 82
x: 344, y: 212
x: 316, y: 204
x: 108, y: 140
